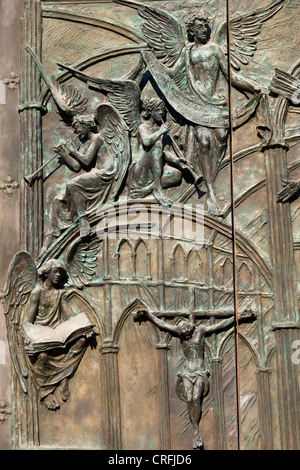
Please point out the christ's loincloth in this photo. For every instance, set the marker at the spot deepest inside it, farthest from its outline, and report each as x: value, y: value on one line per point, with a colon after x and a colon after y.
x: 193, y: 374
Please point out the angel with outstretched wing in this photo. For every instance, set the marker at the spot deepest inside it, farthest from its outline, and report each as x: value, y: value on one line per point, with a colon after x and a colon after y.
x: 187, y: 62
x: 287, y: 86
x: 35, y: 302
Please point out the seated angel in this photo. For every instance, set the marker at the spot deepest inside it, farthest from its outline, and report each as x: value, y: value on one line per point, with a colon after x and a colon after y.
x: 48, y: 306
x: 36, y: 303
x: 157, y: 166
x: 159, y: 163
x: 104, y: 156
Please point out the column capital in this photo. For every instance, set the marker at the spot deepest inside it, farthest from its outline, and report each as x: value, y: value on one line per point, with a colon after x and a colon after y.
x: 109, y: 347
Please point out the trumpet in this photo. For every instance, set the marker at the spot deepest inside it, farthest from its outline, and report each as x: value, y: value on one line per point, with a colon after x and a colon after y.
x: 30, y: 178
x: 187, y: 164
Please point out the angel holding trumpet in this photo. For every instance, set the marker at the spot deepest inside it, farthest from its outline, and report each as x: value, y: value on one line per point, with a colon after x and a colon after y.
x: 100, y: 153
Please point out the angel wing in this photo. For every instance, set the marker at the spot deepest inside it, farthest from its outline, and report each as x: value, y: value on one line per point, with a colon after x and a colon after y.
x: 21, y: 280
x: 81, y: 262
x: 123, y: 94
x: 163, y: 34
x: 244, y: 30
x: 115, y: 135
x: 67, y: 98
x: 161, y: 30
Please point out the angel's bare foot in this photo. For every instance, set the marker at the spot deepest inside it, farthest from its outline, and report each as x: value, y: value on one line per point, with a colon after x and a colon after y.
x: 64, y: 389
x: 213, y: 208
x: 161, y: 198
x: 139, y: 192
x: 85, y: 228
x: 50, y: 402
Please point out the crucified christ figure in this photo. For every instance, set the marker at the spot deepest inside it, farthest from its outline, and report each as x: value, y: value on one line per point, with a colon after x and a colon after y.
x: 193, y: 374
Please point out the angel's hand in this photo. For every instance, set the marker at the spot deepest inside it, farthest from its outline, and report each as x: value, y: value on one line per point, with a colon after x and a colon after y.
x: 257, y: 88
x: 165, y: 127
x: 291, y: 188
x: 61, y: 150
x: 254, y: 87
x: 24, y: 335
x: 69, y: 145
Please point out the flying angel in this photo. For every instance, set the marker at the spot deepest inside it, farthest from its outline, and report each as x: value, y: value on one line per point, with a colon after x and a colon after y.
x: 186, y: 64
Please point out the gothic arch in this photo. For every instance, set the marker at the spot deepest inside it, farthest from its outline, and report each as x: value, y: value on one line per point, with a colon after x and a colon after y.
x: 194, y: 261
x: 229, y: 336
x: 125, y: 266
x: 179, y: 263
x: 142, y: 259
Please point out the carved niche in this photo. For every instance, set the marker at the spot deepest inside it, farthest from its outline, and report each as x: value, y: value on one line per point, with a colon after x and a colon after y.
x: 153, y: 221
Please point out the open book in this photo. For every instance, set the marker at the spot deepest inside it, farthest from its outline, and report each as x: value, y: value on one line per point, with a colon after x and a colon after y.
x: 42, y: 338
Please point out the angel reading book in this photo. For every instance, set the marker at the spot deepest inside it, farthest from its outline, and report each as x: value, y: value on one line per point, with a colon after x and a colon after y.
x: 42, y: 338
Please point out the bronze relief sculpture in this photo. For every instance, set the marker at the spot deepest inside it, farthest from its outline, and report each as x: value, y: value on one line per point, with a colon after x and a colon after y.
x: 193, y: 376
x: 146, y: 120
x: 37, y: 304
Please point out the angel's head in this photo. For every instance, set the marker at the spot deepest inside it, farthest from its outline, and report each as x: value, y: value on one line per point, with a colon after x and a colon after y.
x: 83, y: 124
x: 156, y: 108
x: 198, y: 28
x: 54, y: 270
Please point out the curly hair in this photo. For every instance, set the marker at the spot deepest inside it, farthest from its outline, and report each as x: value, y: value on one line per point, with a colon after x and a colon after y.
x: 190, y: 23
x: 47, y: 267
x: 87, y: 119
x: 149, y: 104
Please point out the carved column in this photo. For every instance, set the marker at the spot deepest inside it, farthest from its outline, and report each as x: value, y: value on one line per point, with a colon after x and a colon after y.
x: 111, y: 389
x: 217, y: 392
x: 31, y: 131
x: 165, y: 437
x: 25, y: 405
x: 265, y: 411
x: 284, y: 283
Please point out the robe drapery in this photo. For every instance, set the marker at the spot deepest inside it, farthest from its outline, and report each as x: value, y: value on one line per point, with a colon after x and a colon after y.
x: 93, y: 186
x: 192, y: 105
x: 50, y: 368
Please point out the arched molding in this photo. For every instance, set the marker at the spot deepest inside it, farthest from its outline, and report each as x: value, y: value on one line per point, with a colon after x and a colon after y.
x: 133, y: 306
x: 215, y: 224
x: 230, y: 335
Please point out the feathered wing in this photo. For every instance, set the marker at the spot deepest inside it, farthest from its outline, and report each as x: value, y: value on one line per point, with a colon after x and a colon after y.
x: 67, y: 98
x: 161, y: 31
x: 163, y: 34
x: 244, y: 30
x: 21, y: 280
x: 116, y: 137
x: 125, y: 96
x: 81, y: 262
